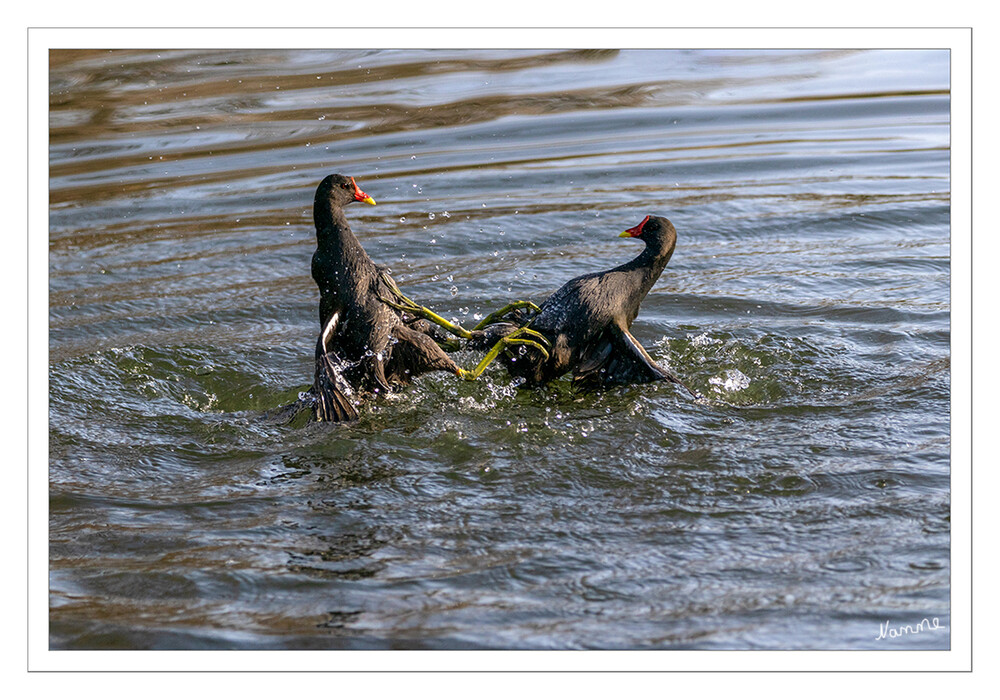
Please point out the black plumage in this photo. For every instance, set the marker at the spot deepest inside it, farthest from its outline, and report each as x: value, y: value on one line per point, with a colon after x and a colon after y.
x: 587, y: 321
x: 364, y: 346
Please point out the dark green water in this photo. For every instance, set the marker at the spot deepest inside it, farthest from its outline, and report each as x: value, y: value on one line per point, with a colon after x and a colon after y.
x: 802, y: 506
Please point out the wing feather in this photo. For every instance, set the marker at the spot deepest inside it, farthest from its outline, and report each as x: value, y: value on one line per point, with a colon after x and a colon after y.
x: 616, y: 358
x: 330, y: 389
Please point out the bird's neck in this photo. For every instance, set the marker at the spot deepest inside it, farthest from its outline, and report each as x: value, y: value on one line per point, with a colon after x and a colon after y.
x: 333, y: 233
x: 647, y: 267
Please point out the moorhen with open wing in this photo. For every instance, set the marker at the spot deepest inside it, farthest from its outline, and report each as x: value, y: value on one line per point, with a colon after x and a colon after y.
x: 364, y: 345
x: 587, y: 321
x: 372, y: 337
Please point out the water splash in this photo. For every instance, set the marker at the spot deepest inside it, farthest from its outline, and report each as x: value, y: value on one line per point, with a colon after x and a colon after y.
x: 730, y: 381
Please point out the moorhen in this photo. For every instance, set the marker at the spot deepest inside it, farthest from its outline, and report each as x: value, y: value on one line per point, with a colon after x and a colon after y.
x: 372, y: 337
x: 587, y: 320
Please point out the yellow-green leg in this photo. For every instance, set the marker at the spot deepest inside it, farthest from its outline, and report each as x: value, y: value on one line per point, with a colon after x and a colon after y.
x: 534, y: 338
x: 408, y: 306
x: 501, y: 345
x: 522, y: 336
x: 500, y: 313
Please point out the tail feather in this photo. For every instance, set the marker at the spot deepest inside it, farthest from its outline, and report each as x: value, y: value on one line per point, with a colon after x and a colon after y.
x: 330, y: 392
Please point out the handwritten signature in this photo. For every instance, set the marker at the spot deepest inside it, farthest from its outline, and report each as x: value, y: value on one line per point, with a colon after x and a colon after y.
x: 892, y: 632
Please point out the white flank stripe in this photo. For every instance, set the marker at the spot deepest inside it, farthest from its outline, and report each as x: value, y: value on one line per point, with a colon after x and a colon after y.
x: 328, y: 331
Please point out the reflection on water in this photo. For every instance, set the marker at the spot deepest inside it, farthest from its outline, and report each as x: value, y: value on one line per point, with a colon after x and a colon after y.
x: 802, y: 505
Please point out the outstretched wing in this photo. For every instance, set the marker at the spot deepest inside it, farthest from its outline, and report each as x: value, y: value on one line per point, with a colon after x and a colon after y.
x: 617, y: 358
x: 330, y: 389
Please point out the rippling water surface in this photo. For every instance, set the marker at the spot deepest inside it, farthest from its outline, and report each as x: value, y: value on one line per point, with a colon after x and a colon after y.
x: 803, y: 504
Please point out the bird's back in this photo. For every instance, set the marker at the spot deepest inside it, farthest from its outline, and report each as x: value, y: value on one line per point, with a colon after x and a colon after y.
x: 582, y: 306
x: 350, y: 286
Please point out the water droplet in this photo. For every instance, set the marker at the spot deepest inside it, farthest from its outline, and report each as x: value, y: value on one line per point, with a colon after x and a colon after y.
x: 454, y: 291
x: 402, y: 219
x: 431, y: 216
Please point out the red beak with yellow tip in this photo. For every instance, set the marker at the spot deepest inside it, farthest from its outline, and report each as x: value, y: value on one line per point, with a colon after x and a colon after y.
x: 634, y: 231
x: 361, y: 196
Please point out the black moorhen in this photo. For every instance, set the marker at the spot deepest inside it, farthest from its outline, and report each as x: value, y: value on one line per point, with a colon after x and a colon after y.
x: 364, y: 345
x: 587, y: 320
